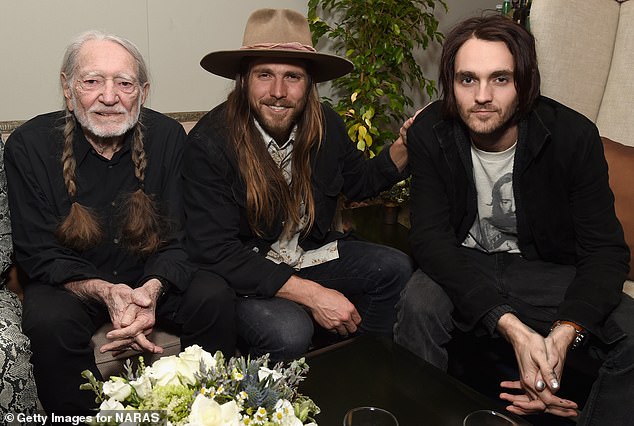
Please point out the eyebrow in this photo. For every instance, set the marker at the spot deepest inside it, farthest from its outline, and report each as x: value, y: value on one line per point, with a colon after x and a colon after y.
x: 494, y: 74
x: 260, y: 69
x: 99, y: 74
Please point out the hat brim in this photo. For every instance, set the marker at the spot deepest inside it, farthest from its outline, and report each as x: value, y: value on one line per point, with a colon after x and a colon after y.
x: 323, y: 67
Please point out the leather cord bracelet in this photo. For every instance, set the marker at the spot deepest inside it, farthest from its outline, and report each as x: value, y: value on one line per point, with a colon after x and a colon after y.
x: 580, y: 332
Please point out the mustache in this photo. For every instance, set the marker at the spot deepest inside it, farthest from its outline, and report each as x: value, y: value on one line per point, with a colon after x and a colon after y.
x: 113, y: 110
x: 278, y: 103
x: 484, y: 109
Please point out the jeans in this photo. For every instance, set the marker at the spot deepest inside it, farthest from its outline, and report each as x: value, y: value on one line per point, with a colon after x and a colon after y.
x: 370, y: 275
x: 534, y: 289
x: 60, y: 326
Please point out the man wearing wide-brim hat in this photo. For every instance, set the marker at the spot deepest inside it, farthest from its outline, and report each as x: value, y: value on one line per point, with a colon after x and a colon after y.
x: 263, y: 174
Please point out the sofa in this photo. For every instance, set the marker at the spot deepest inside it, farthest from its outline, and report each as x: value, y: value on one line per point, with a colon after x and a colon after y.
x: 585, y: 54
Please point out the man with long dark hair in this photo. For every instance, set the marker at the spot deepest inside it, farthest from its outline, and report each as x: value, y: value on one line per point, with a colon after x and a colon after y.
x: 264, y: 173
x: 557, y: 282
x: 96, y: 213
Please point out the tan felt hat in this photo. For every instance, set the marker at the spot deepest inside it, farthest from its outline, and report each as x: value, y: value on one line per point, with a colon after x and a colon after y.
x: 280, y: 34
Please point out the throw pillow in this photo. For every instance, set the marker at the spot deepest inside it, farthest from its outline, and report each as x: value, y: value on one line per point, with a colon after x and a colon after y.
x: 620, y: 160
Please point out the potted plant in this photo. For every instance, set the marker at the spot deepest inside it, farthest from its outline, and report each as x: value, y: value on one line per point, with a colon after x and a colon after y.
x: 380, y: 37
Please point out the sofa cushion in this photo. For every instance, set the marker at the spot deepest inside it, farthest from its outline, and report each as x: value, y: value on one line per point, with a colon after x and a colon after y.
x: 574, y: 50
x: 109, y: 365
x: 616, y: 115
x: 621, y: 169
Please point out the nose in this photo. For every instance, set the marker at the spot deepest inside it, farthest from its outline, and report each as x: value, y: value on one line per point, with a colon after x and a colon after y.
x: 278, y: 88
x: 484, y: 93
x: 109, y: 95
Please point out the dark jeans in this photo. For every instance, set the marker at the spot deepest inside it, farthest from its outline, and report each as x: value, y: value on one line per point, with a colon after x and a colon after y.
x: 60, y: 327
x: 534, y: 289
x: 370, y: 275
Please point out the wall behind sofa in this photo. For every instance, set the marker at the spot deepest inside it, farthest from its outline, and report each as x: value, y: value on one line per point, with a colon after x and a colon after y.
x: 172, y: 35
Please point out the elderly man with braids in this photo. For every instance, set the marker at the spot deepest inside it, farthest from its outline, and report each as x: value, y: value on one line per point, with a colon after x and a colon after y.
x: 95, y: 195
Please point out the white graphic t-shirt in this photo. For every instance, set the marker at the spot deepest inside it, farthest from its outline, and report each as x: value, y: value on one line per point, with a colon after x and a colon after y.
x: 495, y: 227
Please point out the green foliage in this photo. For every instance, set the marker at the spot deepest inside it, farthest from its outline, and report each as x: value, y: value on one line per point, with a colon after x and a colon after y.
x: 380, y: 37
x: 92, y: 385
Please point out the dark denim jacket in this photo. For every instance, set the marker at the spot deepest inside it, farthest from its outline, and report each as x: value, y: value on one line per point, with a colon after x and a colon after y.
x: 564, y: 209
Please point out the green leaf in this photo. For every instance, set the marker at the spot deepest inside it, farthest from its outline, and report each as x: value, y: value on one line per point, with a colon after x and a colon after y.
x: 380, y: 38
x: 353, y: 130
x: 368, y: 139
x: 362, y: 131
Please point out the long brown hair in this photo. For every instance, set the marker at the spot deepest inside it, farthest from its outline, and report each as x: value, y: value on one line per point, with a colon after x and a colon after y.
x: 518, y: 40
x: 268, y: 193
x: 141, y: 225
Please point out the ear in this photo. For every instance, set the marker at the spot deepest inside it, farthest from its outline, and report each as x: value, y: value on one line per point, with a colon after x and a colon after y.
x: 68, y: 96
x: 144, y: 92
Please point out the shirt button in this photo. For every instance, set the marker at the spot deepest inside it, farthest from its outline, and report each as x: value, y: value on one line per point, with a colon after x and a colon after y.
x: 110, y: 166
x: 115, y: 273
x: 113, y: 204
x: 116, y: 241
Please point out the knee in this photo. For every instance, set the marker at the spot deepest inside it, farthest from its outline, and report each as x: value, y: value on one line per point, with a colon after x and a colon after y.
x: 221, y: 299
x: 423, y: 301
x: 293, y: 340
x: 47, y: 327
x: 393, y: 268
x: 212, y: 294
x: 284, y: 334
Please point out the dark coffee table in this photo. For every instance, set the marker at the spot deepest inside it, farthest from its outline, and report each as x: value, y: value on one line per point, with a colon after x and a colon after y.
x: 370, y: 371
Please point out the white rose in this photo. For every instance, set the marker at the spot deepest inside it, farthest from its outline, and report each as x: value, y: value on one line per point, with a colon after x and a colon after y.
x: 164, y: 371
x: 264, y: 372
x: 189, y: 363
x: 117, y: 389
x: 142, y: 386
x: 111, y: 404
x: 106, y: 409
x: 194, y: 354
x: 207, y: 412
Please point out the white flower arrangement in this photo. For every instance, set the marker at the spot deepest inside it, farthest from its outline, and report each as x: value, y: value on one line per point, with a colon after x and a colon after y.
x: 198, y: 389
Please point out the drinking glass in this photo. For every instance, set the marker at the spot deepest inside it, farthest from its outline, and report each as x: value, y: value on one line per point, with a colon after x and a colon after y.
x: 369, y: 416
x: 487, y: 418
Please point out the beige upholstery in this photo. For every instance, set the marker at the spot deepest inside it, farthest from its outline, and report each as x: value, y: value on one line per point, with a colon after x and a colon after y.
x: 109, y: 365
x: 586, y: 59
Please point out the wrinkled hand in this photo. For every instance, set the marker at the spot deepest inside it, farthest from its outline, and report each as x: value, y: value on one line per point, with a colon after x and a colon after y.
x: 123, y: 303
x: 134, y: 322
x: 333, y: 311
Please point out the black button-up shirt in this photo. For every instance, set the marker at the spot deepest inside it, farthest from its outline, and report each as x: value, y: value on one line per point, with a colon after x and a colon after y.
x: 38, y: 201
